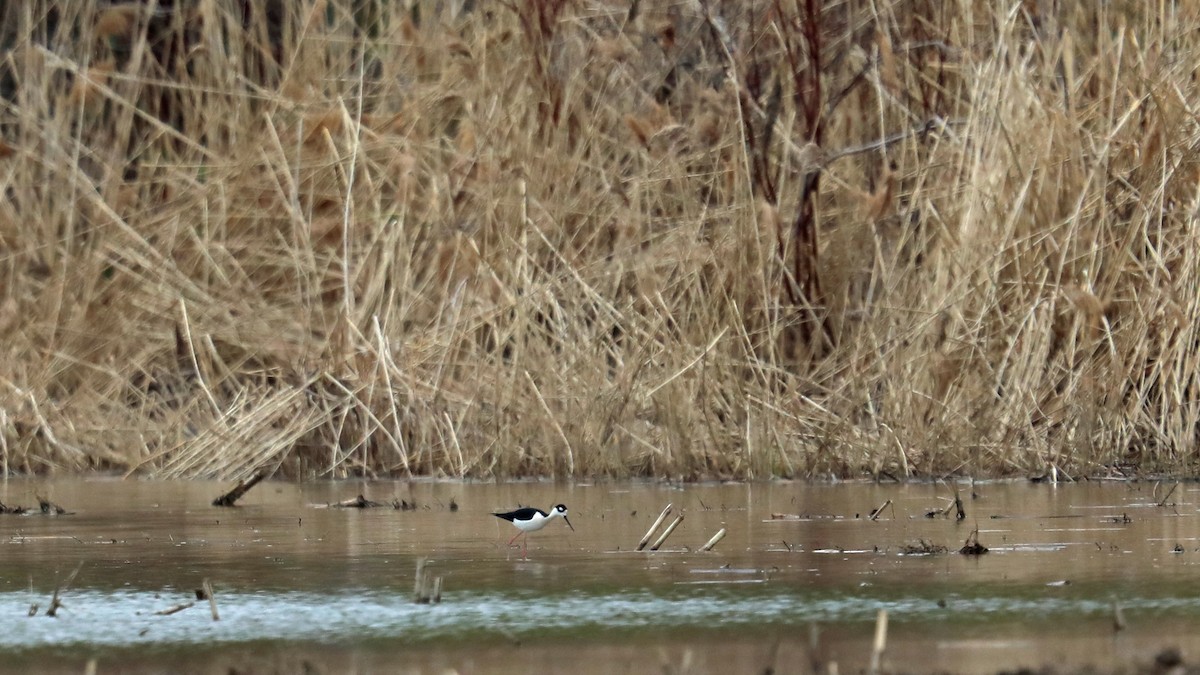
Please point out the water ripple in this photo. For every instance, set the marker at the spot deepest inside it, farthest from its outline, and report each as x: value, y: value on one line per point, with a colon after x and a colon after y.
x: 127, y: 617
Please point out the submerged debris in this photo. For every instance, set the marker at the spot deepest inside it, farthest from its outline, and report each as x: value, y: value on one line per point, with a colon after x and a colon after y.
x: 956, y: 506
x: 972, y: 545
x: 55, y: 601
x: 1052, y: 475
x: 359, y: 502
x: 1168, y: 660
x: 807, y: 516
x: 922, y: 547
x: 242, y: 488
x: 45, y: 508
x: 49, y: 508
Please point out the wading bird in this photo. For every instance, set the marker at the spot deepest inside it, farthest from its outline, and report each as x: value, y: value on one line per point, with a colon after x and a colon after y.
x: 529, y: 520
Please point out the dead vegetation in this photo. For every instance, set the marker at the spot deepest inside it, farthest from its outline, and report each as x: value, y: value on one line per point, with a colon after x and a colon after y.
x: 598, y: 238
x: 922, y: 547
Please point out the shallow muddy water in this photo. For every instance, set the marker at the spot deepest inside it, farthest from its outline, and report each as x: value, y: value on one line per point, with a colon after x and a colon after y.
x: 799, y: 579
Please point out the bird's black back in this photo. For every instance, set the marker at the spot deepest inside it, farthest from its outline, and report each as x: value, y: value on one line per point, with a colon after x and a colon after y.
x: 520, y: 514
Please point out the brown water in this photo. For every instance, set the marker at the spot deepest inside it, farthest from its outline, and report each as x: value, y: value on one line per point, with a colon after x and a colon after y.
x: 298, y: 584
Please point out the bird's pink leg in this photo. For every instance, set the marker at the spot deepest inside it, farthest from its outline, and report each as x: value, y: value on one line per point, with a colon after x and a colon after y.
x: 510, y: 541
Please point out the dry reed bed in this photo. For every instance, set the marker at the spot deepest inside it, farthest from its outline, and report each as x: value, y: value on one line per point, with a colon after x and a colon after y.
x: 575, y: 238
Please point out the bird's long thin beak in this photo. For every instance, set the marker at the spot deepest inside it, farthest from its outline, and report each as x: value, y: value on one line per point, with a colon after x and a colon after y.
x: 569, y: 524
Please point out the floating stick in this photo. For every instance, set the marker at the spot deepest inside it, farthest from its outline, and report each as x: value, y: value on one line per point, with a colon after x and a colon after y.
x: 713, y: 542
x: 650, y: 533
x: 666, y: 533
x: 177, y: 608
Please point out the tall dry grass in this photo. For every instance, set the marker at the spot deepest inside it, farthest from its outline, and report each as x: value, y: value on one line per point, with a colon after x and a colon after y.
x: 597, y: 238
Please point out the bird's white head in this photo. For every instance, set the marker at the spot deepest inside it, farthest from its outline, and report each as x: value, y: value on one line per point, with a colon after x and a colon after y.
x: 561, y: 510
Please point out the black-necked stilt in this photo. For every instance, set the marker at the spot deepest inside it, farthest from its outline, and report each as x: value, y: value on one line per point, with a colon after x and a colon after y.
x: 530, y: 519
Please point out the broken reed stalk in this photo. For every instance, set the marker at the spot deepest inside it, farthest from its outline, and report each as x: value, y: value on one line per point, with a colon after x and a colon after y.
x: 814, y: 650
x: 426, y: 589
x: 666, y: 533
x: 419, y: 580
x: 960, y: 513
x: 55, y: 602
x: 240, y: 489
x: 772, y: 658
x: 879, y: 509
x: 1163, y: 502
x: 212, y: 599
x: 880, y: 641
x: 653, y: 528
x: 713, y: 542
